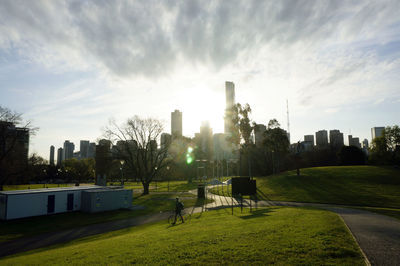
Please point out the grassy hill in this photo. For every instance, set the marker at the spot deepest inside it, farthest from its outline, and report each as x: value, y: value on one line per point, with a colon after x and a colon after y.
x: 268, y: 236
x: 348, y: 185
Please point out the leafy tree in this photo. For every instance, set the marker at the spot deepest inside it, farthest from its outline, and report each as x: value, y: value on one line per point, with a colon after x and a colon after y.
x: 80, y: 169
x: 351, y: 155
x: 276, y: 144
x: 136, y: 141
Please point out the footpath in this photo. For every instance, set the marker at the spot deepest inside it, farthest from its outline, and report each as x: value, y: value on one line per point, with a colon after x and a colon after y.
x: 377, y: 235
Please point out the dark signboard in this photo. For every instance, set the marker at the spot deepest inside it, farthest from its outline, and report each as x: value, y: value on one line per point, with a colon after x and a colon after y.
x: 243, y: 186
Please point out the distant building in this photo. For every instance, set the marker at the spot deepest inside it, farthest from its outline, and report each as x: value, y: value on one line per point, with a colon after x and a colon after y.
x: 52, y: 155
x: 176, y: 124
x: 259, y: 134
x: 68, y: 150
x: 84, y: 149
x: 206, y: 140
x: 14, y: 146
x: 309, y: 138
x: 354, y: 141
x: 92, y: 150
x: 336, y: 138
x: 376, y: 132
x: 230, y: 102
x: 321, y: 138
x: 60, y: 154
x: 165, y: 140
x: 221, y: 147
x: 365, y: 146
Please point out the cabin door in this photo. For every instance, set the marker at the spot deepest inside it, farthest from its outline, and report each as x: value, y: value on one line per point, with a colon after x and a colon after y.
x: 50, y: 203
x: 70, y: 202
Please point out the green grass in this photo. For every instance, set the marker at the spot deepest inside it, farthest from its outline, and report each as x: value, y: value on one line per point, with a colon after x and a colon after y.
x: 153, y: 203
x: 268, y: 236
x: 34, y: 186
x: 162, y: 186
x: 348, y: 185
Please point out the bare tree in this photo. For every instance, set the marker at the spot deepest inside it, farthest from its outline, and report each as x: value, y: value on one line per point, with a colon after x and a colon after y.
x: 136, y: 143
x: 10, y: 158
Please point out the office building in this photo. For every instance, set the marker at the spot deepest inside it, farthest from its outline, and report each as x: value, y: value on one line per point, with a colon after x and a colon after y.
x: 68, y: 150
x: 321, y: 138
x: 92, y: 150
x: 230, y: 102
x: 309, y: 139
x: 259, y: 134
x: 176, y: 124
x: 165, y: 140
x: 336, y: 138
x: 365, y: 146
x: 51, y: 155
x: 14, y: 147
x: 206, y: 140
x: 84, y: 149
x: 376, y: 132
x: 354, y: 141
x: 60, y: 154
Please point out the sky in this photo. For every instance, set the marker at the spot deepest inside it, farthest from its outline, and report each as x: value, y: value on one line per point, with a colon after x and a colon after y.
x: 71, y: 66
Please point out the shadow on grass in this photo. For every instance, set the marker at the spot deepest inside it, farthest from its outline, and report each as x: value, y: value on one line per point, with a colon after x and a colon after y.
x: 257, y: 213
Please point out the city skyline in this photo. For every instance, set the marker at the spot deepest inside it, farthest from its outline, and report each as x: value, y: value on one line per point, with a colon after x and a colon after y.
x: 337, y: 64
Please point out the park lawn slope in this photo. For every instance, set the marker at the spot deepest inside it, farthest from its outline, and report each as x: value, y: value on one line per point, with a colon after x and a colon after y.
x: 277, y: 235
x: 347, y: 185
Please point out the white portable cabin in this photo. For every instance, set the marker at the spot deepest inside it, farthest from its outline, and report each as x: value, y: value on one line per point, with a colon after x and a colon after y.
x: 100, y: 200
x: 34, y: 202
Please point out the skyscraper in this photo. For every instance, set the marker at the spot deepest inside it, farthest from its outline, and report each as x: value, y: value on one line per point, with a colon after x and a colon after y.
x: 51, y: 155
x: 336, y: 138
x: 230, y: 102
x: 68, y: 150
x: 309, y: 138
x: 259, y: 130
x: 165, y: 140
x: 354, y: 141
x: 84, y: 149
x: 376, y: 132
x: 60, y: 154
x: 321, y: 138
x: 206, y: 140
x: 176, y: 124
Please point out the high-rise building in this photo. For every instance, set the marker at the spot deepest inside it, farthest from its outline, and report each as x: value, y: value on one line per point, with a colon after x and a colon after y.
x: 230, y: 102
x: 309, y: 138
x: 92, y: 150
x: 321, y: 138
x: 376, y: 132
x: 259, y: 134
x: 365, y: 146
x: 336, y: 138
x: 165, y: 140
x: 354, y: 141
x: 14, y: 147
x: 176, y: 124
x: 206, y: 139
x: 84, y: 149
x: 68, y: 150
x: 51, y: 155
x: 60, y: 154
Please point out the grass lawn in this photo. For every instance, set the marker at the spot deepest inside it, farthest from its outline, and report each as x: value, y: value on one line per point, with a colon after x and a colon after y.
x: 349, y: 185
x: 277, y: 235
x: 34, y: 186
x: 153, y: 203
x: 162, y: 186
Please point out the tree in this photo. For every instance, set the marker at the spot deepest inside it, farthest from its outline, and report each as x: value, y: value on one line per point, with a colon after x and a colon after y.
x: 80, y: 169
x: 136, y: 143
x: 351, y: 155
x: 13, y: 150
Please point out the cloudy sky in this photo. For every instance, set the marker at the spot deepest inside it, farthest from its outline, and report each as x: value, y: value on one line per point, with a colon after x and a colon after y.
x: 70, y: 66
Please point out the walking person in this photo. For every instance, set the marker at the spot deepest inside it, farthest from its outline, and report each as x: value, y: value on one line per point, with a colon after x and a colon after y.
x: 178, y: 210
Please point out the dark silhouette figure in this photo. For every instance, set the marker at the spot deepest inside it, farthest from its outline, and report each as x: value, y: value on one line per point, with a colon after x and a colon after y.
x: 178, y: 210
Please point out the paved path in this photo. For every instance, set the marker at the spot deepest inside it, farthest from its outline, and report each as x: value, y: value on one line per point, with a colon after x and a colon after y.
x: 377, y: 235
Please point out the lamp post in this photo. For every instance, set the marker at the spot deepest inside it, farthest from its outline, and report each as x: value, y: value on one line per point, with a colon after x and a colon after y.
x: 122, y: 172
x: 168, y: 176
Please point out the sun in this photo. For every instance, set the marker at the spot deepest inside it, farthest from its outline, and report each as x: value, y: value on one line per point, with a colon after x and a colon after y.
x: 203, y: 105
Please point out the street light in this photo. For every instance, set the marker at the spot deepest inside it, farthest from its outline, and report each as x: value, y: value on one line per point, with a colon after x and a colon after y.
x: 168, y: 176
x: 122, y: 172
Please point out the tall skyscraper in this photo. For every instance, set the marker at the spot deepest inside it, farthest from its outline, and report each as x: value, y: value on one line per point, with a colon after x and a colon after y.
x: 309, y: 138
x: 354, y: 141
x: 376, y: 132
x: 165, y: 140
x: 206, y: 140
x: 336, y: 138
x: 84, y: 149
x: 60, y: 154
x: 68, y: 150
x: 321, y: 138
x: 51, y: 155
x: 92, y: 150
x: 259, y: 131
x: 230, y: 102
x: 176, y: 124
